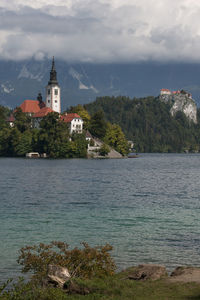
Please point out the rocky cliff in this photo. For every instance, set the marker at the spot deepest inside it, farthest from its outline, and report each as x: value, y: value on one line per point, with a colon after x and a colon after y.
x: 181, y: 102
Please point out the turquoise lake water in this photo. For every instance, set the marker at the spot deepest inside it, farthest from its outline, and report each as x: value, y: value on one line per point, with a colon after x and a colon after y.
x: 148, y: 208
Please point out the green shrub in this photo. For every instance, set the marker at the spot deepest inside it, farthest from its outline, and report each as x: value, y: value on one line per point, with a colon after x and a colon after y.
x: 29, y: 291
x: 86, y: 262
x: 91, y: 143
x: 104, y: 150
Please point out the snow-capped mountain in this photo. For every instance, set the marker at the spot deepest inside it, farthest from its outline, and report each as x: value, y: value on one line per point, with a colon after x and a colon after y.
x: 82, y: 83
x: 79, y: 77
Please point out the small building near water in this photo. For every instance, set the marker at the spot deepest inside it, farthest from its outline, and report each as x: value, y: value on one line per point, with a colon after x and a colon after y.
x: 36, y: 155
x: 32, y: 155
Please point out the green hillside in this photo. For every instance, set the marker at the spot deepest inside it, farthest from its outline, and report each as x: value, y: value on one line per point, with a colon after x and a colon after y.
x: 148, y: 122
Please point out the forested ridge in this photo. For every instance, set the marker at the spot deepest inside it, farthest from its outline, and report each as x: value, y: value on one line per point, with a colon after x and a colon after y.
x: 145, y: 121
x: 148, y: 122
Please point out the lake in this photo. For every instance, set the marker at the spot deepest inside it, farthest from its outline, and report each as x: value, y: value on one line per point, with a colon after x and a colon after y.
x: 148, y: 208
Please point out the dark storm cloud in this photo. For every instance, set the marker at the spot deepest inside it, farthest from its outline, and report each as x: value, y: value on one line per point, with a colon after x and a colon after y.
x: 101, y: 30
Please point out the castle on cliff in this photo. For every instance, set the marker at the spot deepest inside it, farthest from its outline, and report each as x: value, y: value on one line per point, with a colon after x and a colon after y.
x: 180, y: 101
x: 168, y: 92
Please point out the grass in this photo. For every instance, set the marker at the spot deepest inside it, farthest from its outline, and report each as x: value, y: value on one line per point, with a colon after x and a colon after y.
x: 109, y: 288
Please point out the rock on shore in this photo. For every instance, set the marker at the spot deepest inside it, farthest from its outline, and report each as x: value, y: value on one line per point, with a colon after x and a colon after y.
x: 155, y: 272
x: 148, y: 272
x: 185, y: 274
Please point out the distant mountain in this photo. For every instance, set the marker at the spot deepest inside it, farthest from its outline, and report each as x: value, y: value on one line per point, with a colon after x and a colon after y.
x: 82, y: 83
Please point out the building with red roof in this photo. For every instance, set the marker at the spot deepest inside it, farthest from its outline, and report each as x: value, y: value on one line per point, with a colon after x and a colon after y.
x: 43, y: 112
x: 31, y: 107
x: 74, y: 122
x: 165, y: 92
x: 38, y: 116
x: 67, y: 118
x: 11, y: 120
x: 176, y: 92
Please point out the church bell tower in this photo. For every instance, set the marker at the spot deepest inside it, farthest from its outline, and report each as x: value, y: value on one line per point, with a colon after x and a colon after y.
x: 53, y: 91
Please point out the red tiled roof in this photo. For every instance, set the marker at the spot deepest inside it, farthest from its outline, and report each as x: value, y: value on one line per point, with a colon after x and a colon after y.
x: 69, y: 117
x: 31, y: 106
x: 11, y: 119
x: 176, y: 92
x: 166, y: 90
x: 43, y: 112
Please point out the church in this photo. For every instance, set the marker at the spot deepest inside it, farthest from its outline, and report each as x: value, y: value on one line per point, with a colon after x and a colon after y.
x: 38, y: 109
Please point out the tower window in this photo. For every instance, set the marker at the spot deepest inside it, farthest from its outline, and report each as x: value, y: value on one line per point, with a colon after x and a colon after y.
x: 56, y: 101
x: 56, y: 92
x: 49, y: 92
x: 48, y: 101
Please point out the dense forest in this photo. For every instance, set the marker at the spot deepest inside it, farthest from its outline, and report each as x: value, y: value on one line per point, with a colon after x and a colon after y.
x: 148, y: 122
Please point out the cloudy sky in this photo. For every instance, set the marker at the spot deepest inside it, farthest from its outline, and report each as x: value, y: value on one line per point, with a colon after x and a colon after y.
x: 100, y: 30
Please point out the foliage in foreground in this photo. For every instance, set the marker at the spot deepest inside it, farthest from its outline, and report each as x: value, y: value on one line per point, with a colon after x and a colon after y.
x: 116, y: 287
x: 93, y: 270
x: 86, y: 262
x: 29, y: 291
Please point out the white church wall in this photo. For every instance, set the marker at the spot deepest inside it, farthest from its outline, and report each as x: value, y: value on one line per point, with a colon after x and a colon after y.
x: 53, y: 98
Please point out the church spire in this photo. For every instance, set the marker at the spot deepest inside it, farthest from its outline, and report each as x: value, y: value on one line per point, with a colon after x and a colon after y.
x: 53, y: 64
x: 53, y: 90
x: 53, y: 74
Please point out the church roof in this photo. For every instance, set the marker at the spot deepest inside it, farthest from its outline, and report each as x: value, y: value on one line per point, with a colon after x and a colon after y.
x: 43, y: 112
x: 31, y: 106
x: 69, y: 117
x: 53, y: 74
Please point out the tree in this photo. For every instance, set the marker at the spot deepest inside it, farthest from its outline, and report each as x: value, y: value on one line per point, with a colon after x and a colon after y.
x: 5, y: 142
x: 104, y: 150
x: 86, y: 262
x: 4, y: 113
x: 79, y: 145
x: 116, y: 139
x: 22, y: 121
x: 54, y: 137
x: 24, y: 145
x: 14, y: 140
x: 98, y: 125
x: 35, y: 132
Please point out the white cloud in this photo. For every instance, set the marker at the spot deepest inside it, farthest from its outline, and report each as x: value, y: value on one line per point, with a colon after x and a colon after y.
x: 100, y: 30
